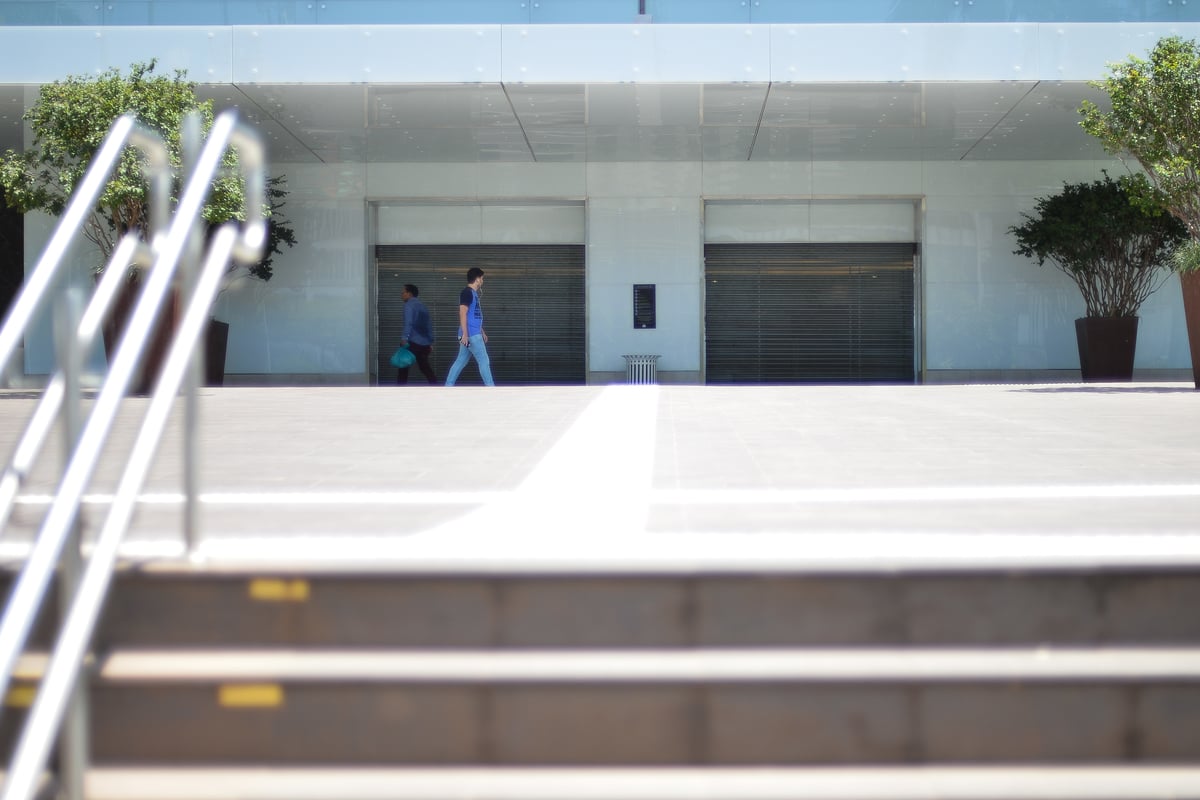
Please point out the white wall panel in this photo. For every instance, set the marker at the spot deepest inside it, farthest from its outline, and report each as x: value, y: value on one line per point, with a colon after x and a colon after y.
x: 644, y: 240
x: 1078, y: 51
x: 367, y: 54
x: 531, y: 180
x: 1162, y: 332
x: 1008, y: 178
x: 656, y: 179
x: 863, y: 222
x: 757, y: 178
x: 434, y: 224
x: 757, y: 222
x: 476, y: 181
x: 891, y: 52
x: 865, y: 178
x: 79, y: 266
x: 423, y: 180
x: 504, y: 224
x: 641, y: 53
x: 450, y: 223
x: 42, y: 55
x: 310, y: 318
x: 811, y: 221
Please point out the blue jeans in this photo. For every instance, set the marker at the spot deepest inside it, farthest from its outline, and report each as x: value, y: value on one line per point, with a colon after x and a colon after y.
x: 478, y: 349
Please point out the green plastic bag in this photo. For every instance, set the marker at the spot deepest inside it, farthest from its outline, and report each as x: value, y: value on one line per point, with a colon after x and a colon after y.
x: 403, y: 357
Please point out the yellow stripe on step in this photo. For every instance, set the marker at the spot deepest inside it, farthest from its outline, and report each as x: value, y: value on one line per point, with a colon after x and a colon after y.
x: 276, y: 590
x: 250, y: 695
x: 20, y: 696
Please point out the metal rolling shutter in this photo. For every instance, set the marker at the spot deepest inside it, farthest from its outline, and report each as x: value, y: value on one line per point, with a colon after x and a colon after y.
x: 809, y: 313
x: 533, y: 305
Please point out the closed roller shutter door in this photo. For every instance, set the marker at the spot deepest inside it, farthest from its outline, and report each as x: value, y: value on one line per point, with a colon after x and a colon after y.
x: 809, y: 313
x: 533, y: 306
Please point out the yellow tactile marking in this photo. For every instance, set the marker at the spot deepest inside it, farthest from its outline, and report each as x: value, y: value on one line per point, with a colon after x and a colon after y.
x: 277, y: 590
x: 20, y: 696
x: 250, y: 695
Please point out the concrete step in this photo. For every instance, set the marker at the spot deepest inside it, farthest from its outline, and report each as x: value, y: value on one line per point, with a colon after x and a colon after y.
x: 1050, y: 782
x: 670, y: 669
x: 705, y: 608
x: 637, y: 707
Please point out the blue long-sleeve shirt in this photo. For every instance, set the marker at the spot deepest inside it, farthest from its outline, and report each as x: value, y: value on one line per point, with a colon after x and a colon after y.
x: 418, y: 328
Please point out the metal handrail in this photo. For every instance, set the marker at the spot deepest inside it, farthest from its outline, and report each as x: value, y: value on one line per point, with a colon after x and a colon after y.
x: 124, y: 132
x: 245, y: 244
x: 130, y: 250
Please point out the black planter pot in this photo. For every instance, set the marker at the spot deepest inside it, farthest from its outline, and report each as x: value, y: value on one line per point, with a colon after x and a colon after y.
x: 216, y: 339
x: 215, y: 344
x: 1190, y: 282
x: 158, y: 342
x: 1106, y: 348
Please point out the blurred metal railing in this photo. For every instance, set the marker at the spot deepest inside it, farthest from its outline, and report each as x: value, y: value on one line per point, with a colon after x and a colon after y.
x: 167, y: 249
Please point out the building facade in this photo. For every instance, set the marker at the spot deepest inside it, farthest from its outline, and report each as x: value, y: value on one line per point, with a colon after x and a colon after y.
x: 769, y: 191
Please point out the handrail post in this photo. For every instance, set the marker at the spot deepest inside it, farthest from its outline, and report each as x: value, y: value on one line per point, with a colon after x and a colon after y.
x: 193, y: 143
x: 74, y: 749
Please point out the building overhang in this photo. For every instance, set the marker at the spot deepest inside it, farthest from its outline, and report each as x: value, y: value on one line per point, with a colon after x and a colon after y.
x: 619, y: 93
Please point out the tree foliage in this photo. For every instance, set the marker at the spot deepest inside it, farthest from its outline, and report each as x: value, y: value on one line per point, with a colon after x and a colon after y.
x: 70, y: 120
x: 1114, y: 250
x: 1155, y: 120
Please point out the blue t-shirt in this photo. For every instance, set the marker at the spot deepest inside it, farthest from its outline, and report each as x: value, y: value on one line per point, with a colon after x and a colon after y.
x: 470, y: 298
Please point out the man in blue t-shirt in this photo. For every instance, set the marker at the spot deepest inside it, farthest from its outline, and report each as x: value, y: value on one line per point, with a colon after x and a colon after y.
x: 472, y: 341
x: 418, y: 335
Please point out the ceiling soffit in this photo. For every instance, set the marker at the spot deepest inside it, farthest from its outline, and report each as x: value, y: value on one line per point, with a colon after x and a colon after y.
x: 598, y: 122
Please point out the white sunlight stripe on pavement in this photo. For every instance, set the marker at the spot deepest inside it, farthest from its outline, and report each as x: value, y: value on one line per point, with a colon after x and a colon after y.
x: 677, y: 551
x: 860, y: 782
x: 575, y: 480
x: 683, y: 552
x: 924, y: 494
x: 552, y: 665
x: 595, y: 478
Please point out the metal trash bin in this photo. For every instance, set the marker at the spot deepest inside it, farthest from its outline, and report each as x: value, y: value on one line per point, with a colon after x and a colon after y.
x: 641, y: 369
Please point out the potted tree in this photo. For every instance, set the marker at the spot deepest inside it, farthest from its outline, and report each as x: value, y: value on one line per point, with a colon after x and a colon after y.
x: 69, y: 121
x: 11, y: 265
x: 1117, y: 254
x: 1154, y: 119
x: 1187, y: 264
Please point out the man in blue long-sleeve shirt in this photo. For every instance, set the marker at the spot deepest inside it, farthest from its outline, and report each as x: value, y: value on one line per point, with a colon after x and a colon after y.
x: 418, y: 334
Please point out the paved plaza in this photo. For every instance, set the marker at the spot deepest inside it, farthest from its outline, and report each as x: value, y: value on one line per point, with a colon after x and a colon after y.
x: 663, y: 477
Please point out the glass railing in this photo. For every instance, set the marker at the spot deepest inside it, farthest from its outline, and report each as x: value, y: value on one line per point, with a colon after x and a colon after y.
x: 816, y: 11
x: 508, y: 12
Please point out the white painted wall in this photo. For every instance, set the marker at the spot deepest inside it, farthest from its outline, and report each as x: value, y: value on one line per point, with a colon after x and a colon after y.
x: 310, y: 319
x: 467, y: 222
x: 81, y: 262
x: 811, y: 221
x: 644, y: 227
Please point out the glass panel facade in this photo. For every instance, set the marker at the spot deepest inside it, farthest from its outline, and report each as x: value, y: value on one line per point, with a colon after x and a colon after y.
x: 49, y: 12
x: 816, y: 11
x: 501, y: 12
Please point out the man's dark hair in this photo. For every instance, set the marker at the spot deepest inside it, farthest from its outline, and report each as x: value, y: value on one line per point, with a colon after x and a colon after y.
x: 413, y: 290
x: 473, y: 273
